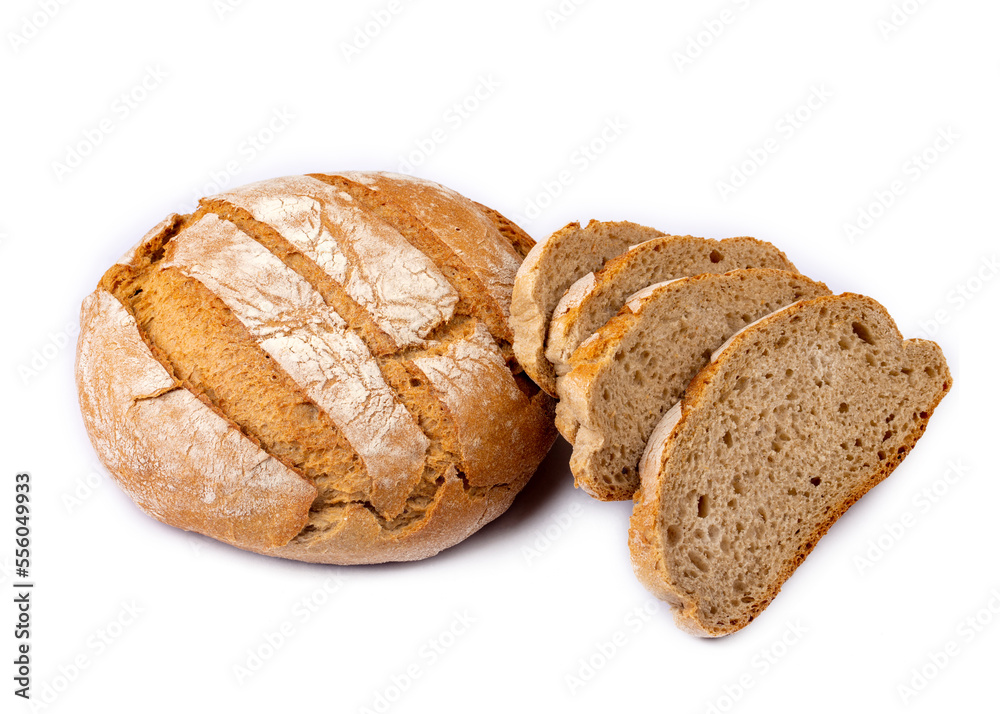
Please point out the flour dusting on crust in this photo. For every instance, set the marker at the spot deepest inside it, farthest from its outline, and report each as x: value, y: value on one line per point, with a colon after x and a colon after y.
x: 399, y: 286
x: 456, y: 222
x: 246, y: 497
x: 476, y: 386
x: 312, y: 343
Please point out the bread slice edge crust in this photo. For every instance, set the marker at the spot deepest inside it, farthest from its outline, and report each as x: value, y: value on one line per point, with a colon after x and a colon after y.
x: 646, y: 536
x: 535, y: 296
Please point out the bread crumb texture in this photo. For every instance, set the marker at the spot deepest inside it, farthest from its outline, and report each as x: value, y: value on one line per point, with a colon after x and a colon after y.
x: 796, y: 419
x: 627, y: 375
x: 317, y: 367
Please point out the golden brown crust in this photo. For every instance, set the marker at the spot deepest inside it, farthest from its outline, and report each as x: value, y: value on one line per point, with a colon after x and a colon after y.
x: 215, y: 480
x: 520, y: 241
x: 589, y: 305
x: 581, y: 402
x: 303, y: 519
x: 646, y: 528
x: 548, y: 270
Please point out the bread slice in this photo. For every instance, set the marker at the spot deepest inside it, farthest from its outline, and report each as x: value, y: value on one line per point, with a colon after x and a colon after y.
x: 597, y: 297
x: 796, y: 418
x: 626, y: 376
x: 550, y: 267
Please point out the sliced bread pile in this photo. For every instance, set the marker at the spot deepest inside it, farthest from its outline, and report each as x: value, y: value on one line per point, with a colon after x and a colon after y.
x: 740, y: 404
x: 568, y: 339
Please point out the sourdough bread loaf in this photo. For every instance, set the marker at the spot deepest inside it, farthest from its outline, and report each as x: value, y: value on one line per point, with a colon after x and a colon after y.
x: 624, y: 378
x: 795, y: 419
x: 597, y: 297
x: 549, y: 269
x: 317, y: 367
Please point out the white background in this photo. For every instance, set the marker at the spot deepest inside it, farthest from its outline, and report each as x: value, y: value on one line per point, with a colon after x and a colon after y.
x: 549, y: 584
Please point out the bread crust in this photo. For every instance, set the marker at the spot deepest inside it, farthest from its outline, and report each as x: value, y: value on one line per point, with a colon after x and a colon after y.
x: 579, y: 401
x: 646, y: 543
x: 552, y: 266
x: 184, y: 461
x: 218, y: 483
x: 598, y: 295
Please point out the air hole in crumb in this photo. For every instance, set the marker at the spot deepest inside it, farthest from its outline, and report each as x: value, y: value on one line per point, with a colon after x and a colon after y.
x: 673, y: 534
x: 789, y: 372
x: 416, y: 383
x: 782, y: 341
x: 703, y: 507
x: 863, y: 333
x: 715, y: 256
x: 844, y: 344
x: 746, y: 599
x: 706, y: 355
x: 844, y: 407
x: 923, y: 415
x: 815, y: 481
x: 698, y: 561
x: 727, y: 439
x: 881, y: 456
x: 930, y: 371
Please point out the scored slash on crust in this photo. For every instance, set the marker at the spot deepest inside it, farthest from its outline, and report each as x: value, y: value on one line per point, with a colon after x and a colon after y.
x: 480, y: 254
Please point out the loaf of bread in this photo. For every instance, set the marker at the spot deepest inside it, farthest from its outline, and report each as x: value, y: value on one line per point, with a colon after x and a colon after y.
x: 624, y: 378
x: 317, y: 367
x: 795, y: 419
